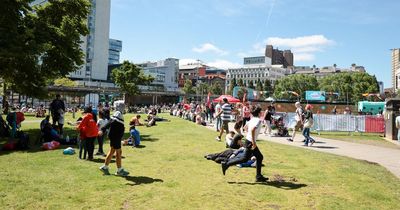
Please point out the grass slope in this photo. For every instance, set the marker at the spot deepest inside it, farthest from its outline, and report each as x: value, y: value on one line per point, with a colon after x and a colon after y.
x: 169, y: 172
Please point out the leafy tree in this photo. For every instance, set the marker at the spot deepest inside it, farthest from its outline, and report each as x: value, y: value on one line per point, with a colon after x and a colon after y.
x: 203, y: 88
x: 231, y: 86
x: 268, y: 87
x: 298, y: 83
x: 66, y: 82
x: 251, y: 85
x: 41, y: 44
x: 216, y: 89
x: 350, y: 86
x: 259, y: 86
x: 129, y: 76
x: 240, y: 82
x: 188, y: 87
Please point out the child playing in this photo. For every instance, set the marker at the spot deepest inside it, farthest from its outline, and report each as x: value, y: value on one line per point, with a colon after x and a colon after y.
x: 116, y: 126
x: 88, y: 132
x: 135, y: 136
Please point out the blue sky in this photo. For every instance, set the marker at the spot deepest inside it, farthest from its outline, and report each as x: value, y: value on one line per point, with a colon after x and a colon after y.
x: 221, y: 32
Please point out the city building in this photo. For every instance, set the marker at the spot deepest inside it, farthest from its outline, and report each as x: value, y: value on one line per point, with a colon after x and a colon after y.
x: 395, y: 68
x: 324, y: 71
x: 258, y: 69
x: 214, y: 76
x: 279, y: 57
x: 191, y: 71
x: 95, y: 45
x: 165, y: 74
x: 114, y: 49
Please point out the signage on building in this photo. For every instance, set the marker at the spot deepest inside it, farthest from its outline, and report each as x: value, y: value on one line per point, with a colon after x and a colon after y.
x: 315, y: 95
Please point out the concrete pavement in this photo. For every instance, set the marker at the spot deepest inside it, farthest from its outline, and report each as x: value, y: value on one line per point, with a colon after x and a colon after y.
x: 386, y: 157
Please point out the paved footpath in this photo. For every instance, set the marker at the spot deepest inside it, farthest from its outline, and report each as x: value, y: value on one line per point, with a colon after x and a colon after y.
x: 387, y: 157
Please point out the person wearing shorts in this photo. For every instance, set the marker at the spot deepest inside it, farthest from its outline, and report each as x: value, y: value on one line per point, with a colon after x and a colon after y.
x: 117, y: 129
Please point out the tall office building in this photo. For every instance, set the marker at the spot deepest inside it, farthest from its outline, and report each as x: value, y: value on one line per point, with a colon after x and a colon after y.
x: 164, y: 72
x: 95, y: 45
x: 279, y: 57
x: 395, y: 69
x: 115, y: 47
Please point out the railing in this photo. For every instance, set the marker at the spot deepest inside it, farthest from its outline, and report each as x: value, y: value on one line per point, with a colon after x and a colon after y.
x: 341, y: 122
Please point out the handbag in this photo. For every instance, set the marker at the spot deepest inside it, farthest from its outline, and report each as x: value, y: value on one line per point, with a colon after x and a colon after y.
x: 309, y: 123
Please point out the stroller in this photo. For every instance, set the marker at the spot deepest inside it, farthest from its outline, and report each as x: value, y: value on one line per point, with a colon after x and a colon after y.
x: 277, y: 122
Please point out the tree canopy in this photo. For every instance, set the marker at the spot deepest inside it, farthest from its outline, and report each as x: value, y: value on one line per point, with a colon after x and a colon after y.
x: 128, y: 77
x: 42, y: 43
x: 350, y: 86
x: 188, y: 87
x: 298, y: 83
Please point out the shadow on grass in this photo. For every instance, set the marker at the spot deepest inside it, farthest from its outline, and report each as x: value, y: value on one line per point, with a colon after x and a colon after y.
x: 100, y: 160
x: 147, y: 138
x: 137, y: 180
x: 278, y: 184
x: 324, y: 147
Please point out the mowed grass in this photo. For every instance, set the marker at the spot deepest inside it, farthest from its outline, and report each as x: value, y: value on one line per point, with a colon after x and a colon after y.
x: 170, y: 172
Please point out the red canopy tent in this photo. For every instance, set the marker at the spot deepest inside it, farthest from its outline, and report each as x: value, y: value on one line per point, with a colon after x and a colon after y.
x: 230, y: 99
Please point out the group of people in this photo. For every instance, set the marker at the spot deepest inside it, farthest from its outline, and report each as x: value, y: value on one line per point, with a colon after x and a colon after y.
x: 304, y: 121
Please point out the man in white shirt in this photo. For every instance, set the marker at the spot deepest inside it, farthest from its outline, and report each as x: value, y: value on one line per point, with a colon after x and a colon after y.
x: 253, y: 129
x: 299, y: 120
x: 218, y: 122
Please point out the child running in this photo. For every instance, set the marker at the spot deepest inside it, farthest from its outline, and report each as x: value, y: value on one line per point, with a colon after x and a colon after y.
x: 116, y: 126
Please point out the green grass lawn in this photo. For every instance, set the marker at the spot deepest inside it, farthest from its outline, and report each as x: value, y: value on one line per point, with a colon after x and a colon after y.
x: 169, y: 172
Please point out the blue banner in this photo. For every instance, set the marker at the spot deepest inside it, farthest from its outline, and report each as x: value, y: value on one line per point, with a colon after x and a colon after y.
x: 315, y: 95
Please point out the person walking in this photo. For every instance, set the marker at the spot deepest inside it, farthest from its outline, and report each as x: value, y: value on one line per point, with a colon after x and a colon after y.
x: 117, y: 129
x: 268, y: 118
x: 308, y: 123
x: 218, y: 121
x: 299, y: 120
x: 254, y: 127
x: 225, y: 113
x: 397, y: 121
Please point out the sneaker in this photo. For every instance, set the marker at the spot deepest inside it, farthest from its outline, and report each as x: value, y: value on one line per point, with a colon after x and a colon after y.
x: 100, y: 153
x: 218, y: 138
x: 105, y: 170
x: 122, y: 172
x: 261, y: 179
x: 312, y: 142
x: 289, y: 139
x: 224, y: 167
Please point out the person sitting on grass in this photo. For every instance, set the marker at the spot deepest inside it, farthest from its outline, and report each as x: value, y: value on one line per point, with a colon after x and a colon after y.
x: 135, y: 136
x: 233, y: 140
x: 116, y: 126
x: 135, y: 121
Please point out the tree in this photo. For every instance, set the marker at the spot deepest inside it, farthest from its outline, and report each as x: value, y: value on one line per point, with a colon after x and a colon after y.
x: 188, y: 87
x: 216, y: 89
x: 66, y: 82
x: 41, y: 44
x: 129, y: 76
x: 251, y: 85
x: 350, y: 86
x: 268, y: 87
x: 259, y: 86
x: 231, y: 86
x: 240, y: 82
x: 298, y: 83
x: 203, y: 88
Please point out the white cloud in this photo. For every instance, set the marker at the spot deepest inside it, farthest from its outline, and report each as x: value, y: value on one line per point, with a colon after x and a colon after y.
x: 223, y: 64
x: 207, y: 47
x: 304, y: 48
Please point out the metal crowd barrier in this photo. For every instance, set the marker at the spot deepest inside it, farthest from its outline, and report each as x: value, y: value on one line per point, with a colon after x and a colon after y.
x: 341, y: 122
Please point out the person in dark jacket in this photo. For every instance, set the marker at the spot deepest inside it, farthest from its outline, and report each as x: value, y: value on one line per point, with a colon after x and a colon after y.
x: 117, y: 129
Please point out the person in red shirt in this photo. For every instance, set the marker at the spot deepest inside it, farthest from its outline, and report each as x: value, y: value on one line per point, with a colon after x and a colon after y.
x: 88, y: 131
